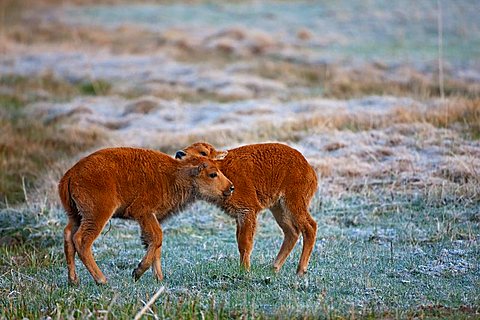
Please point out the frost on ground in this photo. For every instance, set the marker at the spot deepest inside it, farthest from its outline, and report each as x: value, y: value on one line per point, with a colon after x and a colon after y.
x: 149, y: 120
x: 232, y: 74
x: 140, y: 73
x: 413, y: 158
x: 448, y: 261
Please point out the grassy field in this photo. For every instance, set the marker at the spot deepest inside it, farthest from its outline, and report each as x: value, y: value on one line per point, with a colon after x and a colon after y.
x: 386, y: 247
x: 398, y: 204
x: 393, y: 259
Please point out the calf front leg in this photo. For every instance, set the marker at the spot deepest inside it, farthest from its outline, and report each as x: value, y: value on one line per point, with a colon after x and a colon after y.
x: 246, y: 225
x: 157, y: 265
x: 152, y: 237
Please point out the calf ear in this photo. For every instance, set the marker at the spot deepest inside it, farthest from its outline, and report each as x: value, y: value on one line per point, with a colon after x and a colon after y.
x: 221, y: 155
x: 180, y: 154
x: 195, y: 171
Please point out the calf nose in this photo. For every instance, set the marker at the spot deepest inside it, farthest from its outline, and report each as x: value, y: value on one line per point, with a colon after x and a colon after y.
x: 180, y: 154
x: 229, y: 191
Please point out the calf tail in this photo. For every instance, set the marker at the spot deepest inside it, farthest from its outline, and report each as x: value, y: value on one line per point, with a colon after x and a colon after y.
x: 313, y: 185
x: 66, y: 197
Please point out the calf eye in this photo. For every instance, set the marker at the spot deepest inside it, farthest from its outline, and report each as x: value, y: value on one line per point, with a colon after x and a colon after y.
x: 203, y: 153
x: 213, y: 175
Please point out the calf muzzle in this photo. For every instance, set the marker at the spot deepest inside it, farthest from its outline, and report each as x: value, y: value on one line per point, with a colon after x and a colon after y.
x: 229, y: 191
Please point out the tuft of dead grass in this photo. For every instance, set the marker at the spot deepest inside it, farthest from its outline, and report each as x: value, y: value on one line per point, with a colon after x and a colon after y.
x: 459, y: 111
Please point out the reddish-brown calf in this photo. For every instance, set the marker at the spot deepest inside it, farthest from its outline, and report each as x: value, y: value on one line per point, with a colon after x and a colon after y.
x: 269, y: 175
x: 139, y: 184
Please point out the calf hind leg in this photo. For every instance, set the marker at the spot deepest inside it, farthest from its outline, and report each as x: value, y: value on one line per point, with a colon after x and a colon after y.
x: 290, y: 233
x: 298, y: 210
x: 309, y: 233
x: 69, y: 248
x: 152, y: 236
x: 83, y: 239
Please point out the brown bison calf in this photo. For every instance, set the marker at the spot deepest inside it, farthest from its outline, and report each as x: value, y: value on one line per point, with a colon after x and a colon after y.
x: 143, y: 185
x: 269, y: 175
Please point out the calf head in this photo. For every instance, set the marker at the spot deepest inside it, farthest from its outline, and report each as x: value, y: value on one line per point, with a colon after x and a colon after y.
x: 199, y: 149
x: 209, y: 181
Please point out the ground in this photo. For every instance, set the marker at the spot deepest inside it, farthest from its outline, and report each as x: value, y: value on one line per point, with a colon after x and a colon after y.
x: 359, y: 95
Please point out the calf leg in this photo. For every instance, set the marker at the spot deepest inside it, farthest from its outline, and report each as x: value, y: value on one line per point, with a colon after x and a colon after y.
x: 298, y: 209
x: 69, y: 248
x: 290, y: 233
x: 246, y: 225
x: 83, y: 239
x: 309, y: 233
x: 157, y: 265
x: 152, y: 236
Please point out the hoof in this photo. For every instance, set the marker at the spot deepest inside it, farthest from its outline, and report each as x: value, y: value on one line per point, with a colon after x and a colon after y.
x: 301, y: 273
x: 244, y: 268
x: 136, y: 275
x: 159, y: 278
x: 74, y: 281
x: 101, y: 282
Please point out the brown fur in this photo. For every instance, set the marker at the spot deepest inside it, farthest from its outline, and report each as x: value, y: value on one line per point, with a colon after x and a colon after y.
x: 273, y: 176
x: 144, y: 185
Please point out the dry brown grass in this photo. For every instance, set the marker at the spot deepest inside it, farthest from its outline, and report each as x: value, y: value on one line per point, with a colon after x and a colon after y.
x: 365, y: 81
x: 362, y: 170
x: 336, y: 81
x: 460, y: 112
x: 463, y: 112
x: 23, y: 90
x: 293, y: 73
x: 427, y: 151
x: 29, y: 147
x: 333, y: 80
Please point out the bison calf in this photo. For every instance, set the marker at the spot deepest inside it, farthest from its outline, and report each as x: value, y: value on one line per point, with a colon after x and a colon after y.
x: 143, y: 185
x: 269, y: 175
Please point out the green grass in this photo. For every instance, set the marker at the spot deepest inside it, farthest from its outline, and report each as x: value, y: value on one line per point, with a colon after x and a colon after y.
x: 404, y: 259
x: 95, y: 88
